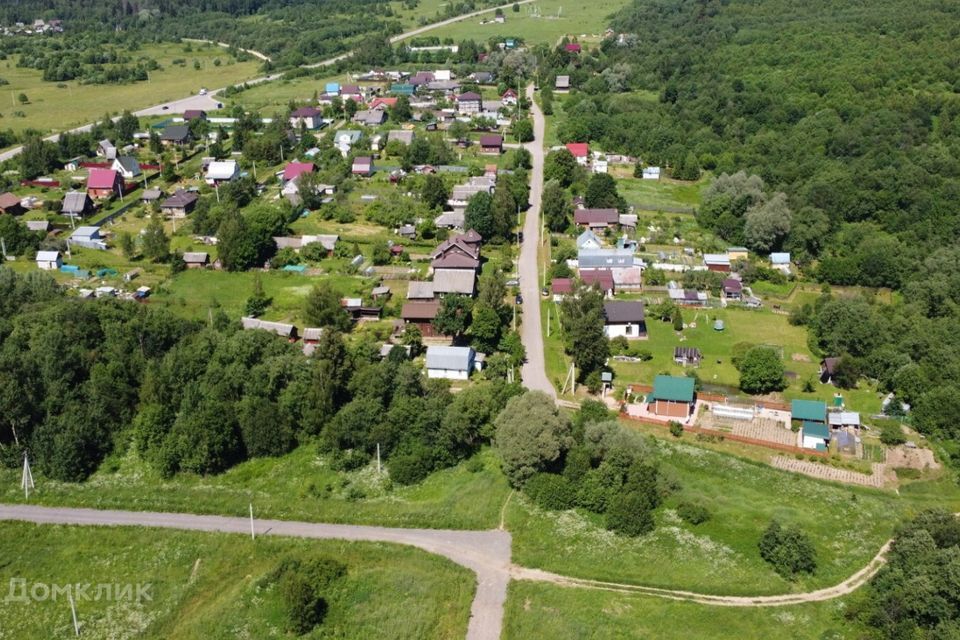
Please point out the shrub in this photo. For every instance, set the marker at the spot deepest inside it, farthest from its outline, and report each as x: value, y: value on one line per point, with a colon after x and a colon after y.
x: 350, y: 460
x: 630, y: 515
x: 619, y: 345
x: 676, y: 429
x: 788, y: 550
x: 693, y: 513
x: 592, y: 493
x: 412, y: 467
x: 551, y: 491
x: 891, y: 433
x: 301, y: 585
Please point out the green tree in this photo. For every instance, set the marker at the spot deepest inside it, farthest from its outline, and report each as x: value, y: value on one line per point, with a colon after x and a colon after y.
x: 788, y: 550
x: 583, y: 322
x: 485, y: 328
x: 323, y: 309
x: 523, y: 131
x: 453, y: 316
x: 434, y: 191
x: 560, y: 166
x: 761, y: 371
x: 127, y: 245
x: 156, y: 244
x: 125, y: 126
x: 380, y: 253
x: 258, y: 301
x: 236, y: 244
x: 629, y: 514
x: 531, y: 435
x: 602, y: 192
x: 846, y: 373
x: 479, y: 214
x: 556, y: 205
x: 37, y: 157
x: 503, y: 210
x: 767, y: 224
x: 677, y: 319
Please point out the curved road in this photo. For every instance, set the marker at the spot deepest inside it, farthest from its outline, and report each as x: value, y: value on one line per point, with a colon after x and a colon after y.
x: 209, y: 102
x: 534, y: 371
x: 486, y: 553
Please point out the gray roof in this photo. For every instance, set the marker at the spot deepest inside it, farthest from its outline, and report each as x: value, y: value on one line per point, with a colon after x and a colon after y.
x: 279, y: 328
x: 454, y: 281
x: 406, y: 137
x: 176, y: 133
x: 370, y: 116
x: 196, y: 257
x: 48, y: 256
x: 75, y: 202
x: 38, y: 225
x: 129, y: 164
x: 420, y: 291
x: 312, y: 333
x: 622, y: 311
x: 455, y: 219
x: 600, y: 258
x: 150, y: 195
x: 451, y: 358
x: 86, y: 232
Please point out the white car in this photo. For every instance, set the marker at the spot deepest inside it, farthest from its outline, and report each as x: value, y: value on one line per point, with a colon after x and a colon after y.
x: 203, y: 92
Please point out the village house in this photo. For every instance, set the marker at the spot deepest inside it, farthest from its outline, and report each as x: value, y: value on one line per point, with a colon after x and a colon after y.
x: 491, y: 144
x: 469, y: 102
x: 687, y: 356
x: 176, y: 135
x: 370, y: 117
x: 106, y: 149
x: 737, y: 253
x: 780, y: 262
x: 294, y: 170
x: 403, y: 137
x: 417, y: 290
x: 718, y: 262
x: 310, y: 118
x: 283, y: 330
x: 87, y: 237
x: 180, y: 204
x: 596, y: 218
x: 452, y: 363
x: 196, y: 259
x: 672, y: 397
x: 601, y: 279
x: 362, y: 166
x: 222, y: 171
x: 562, y: 84
x: 10, y: 204
x: 588, y: 240
x: 194, y: 114
x: 580, y: 151
x: 104, y: 183
x: 509, y: 97
x: 76, y: 204
x: 421, y: 314
x: 811, y: 416
x: 624, y: 318
x: 560, y: 288
x: 49, y: 260
x: 732, y: 289
x: 149, y: 196
x: 127, y: 166
x: 607, y: 258
x: 828, y: 367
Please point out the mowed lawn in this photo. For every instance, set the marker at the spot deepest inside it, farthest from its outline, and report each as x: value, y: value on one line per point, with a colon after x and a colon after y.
x: 537, y: 611
x: 52, y: 108
x: 583, y: 20
x: 846, y: 525
x: 298, y: 486
x: 207, y: 586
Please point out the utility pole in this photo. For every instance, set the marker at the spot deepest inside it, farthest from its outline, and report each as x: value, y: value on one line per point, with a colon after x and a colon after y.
x: 253, y: 535
x: 73, y: 612
x: 26, y: 483
x: 378, y: 458
x: 3, y: 247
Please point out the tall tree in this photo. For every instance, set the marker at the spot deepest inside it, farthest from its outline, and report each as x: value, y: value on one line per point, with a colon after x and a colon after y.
x: 156, y: 244
x: 583, y: 322
x: 556, y: 205
x: 323, y: 309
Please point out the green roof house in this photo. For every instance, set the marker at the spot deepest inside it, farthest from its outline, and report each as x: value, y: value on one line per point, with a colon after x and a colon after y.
x: 816, y: 435
x: 402, y: 89
x: 808, y: 411
x: 673, y: 397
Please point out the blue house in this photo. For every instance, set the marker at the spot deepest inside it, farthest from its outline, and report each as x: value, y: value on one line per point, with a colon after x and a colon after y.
x: 332, y: 89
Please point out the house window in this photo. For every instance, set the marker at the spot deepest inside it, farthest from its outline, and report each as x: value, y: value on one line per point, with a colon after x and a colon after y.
x: 629, y: 330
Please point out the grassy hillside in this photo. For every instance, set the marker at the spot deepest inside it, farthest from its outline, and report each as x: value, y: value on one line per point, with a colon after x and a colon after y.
x: 205, y: 586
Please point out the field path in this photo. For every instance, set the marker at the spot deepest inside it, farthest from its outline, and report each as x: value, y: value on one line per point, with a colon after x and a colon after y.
x: 486, y: 553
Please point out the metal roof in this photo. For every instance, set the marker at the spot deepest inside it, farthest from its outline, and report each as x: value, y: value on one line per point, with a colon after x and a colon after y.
x: 814, y: 410
x: 622, y: 311
x: 450, y: 358
x: 673, y: 388
x: 454, y: 281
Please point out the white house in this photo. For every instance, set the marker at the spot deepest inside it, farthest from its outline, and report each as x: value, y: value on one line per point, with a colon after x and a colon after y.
x: 651, y: 173
x: 780, y: 262
x: 49, y: 260
x: 452, y: 363
x: 588, y: 240
x: 624, y: 318
x: 599, y: 163
x: 219, y: 172
x: 126, y: 166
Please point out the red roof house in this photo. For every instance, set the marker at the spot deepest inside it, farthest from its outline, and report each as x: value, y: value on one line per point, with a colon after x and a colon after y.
x: 382, y: 103
x: 103, y: 183
x: 296, y: 169
x: 580, y: 151
x: 491, y: 143
x: 602, y: 278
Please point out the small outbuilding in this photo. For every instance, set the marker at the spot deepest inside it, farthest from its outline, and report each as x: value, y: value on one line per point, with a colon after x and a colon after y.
x: 452, y: 363
x: 672, y: 396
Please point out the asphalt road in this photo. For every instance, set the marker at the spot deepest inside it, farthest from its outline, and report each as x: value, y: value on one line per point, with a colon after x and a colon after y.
x: 534, y: 371
x: 487, y: 553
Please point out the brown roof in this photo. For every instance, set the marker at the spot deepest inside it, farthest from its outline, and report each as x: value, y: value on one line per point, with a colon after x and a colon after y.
x: 491, y: 141
x: 9, y: 201
x: 595, y: 216
x: 562, y: 286
x: 732, y: 285
x: 455, y: 261
x: 601, y: 277
x: 420, y: 311
x: 180, y: 199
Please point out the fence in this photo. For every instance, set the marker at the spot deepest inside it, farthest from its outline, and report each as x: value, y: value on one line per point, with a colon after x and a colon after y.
x: 50, y: 184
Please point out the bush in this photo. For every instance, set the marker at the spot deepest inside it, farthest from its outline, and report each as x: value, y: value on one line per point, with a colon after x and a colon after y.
x: 788, y: 550
x: 592, y: 493
x: 693, y: 513
x: 629, y: 514
x: 551, y: 491
x: 301, y: 585
x: 349, y: 460
x: 891, y: 434
x: 411, y: 468
x: 676, y: 429
x: 619, y: 345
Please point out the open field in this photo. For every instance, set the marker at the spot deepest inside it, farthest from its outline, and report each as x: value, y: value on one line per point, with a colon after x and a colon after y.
x: 206, y: 585
x: 298, y: 486
x: 548, y: 612
x: 585, y: 21
x: 56, y: 109
x: 846, y: 525
x: 664, y: 192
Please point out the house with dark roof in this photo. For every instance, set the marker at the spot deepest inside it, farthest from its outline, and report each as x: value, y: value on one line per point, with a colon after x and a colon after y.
x: 596, y: 218
x: 76, y: 204
x: 370, y: 117
x: 176, y: 135
x: 602, y: 279
x: 687, y: 356
x: 283, y: 330
x: 469, y: 102
x: 10, y: 204
x: 491, y: 144
x: 127, y: 166
x: 309, y: 117
x: 733, y: 289
x: 561, y: 288
x: 106, y: 149
x: 179, y: 204
x: 624, y: 318
x: 362, y: 166
x: 421, y: 314
x: 672, y: 397
x: 194, y: 114
x: 828, y: 367
x: 196, y: 259
x: 104, y: 183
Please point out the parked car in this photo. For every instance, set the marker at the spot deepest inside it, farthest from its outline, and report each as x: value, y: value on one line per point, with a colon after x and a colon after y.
x: 519, y: 299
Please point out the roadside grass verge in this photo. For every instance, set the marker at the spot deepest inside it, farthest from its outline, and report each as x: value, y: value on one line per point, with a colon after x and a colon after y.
x: 205, y: 585
x: 535, y: 610
x: 298, y: 486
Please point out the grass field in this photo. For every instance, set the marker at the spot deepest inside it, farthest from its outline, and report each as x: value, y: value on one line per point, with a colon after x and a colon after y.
x: 205, y: 586
x: 585, y: 21
x: 538, y: 611
x: 298, y: 486
x: 847, y: 527
x: 56, y: 109
x: 670, y: 193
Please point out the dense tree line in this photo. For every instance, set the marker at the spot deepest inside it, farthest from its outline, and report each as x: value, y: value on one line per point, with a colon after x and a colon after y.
x: 78, y: 379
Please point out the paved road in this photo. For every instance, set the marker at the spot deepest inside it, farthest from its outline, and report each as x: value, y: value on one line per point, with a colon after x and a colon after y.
x: 487, y: 553
x: 209, y: 102
x: 534, y: 371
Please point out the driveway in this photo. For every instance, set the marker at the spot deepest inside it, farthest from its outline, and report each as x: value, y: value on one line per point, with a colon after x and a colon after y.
x: 534, y: 372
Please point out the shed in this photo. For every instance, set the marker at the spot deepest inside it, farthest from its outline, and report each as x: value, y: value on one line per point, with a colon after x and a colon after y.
x: 813, y: 411
x: 452, y: 363
x: 672, y: 396
x: 49, y: 260
x: 816, y: 435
